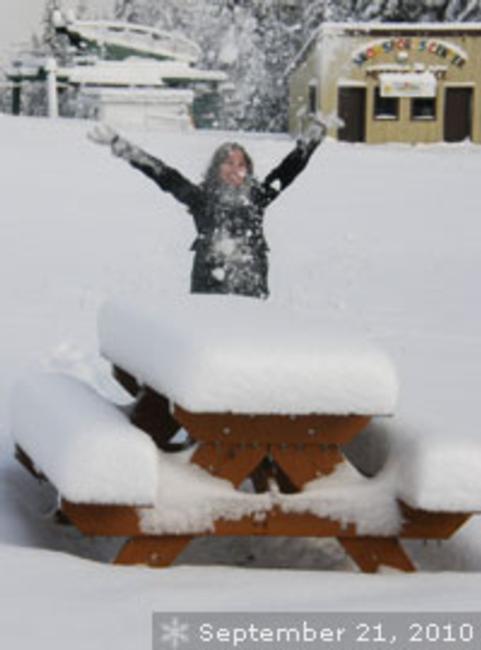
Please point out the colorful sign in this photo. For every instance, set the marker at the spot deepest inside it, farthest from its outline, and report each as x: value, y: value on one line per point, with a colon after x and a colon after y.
x: 442, y: 49
x: 408, y: 85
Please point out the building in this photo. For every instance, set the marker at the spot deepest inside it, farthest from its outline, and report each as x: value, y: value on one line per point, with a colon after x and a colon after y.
x: 128, y: 75
x: 392, y: 82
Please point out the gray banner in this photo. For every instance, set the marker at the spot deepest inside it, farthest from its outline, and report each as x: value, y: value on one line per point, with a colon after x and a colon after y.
x: 346, y: 630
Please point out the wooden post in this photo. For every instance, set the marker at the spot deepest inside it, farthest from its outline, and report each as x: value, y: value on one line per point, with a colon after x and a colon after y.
x: 52, y: 95
x: 17, y: 98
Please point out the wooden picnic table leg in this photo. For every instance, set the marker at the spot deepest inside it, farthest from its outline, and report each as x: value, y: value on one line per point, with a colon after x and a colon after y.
x: 261, y: 475
x: 154, y: 551
x: 267, y: 470
x: 303, y: 464
x: 25, y: 460
x: 151, y: 413
x: 126, y: 380
x: 369, y: 553
x: 234, y: 463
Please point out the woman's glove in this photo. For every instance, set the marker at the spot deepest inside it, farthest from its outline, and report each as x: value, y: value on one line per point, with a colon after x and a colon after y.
x: 103, y: 134
x: 316, y: 130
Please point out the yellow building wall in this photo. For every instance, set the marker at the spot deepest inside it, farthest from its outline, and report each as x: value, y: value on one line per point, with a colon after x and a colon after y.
x: 308, y: 72
x: 332, y: 58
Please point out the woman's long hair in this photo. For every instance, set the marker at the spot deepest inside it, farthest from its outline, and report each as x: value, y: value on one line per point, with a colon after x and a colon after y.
x: 211, y: 178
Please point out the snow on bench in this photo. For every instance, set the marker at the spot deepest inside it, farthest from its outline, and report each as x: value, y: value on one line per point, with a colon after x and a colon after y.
x: 92, y: 455
x: 434, y: 471
x: 427, y: 473
x: 421, y: 464
x: 190, y: 500
x: 83, y: 444
x: 225, y: 354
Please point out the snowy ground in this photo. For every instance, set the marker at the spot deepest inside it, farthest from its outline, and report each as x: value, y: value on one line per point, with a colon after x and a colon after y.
x: 387, y: 237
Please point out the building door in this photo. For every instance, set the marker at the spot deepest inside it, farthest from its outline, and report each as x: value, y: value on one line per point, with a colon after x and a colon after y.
x: 458, y: 112
x: 352, y: 110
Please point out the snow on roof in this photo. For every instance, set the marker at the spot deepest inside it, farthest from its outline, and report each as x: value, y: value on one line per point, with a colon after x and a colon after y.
x: 167, y: 96
x: 141, y: 38
x: 83, y: 444
x: 368, y: 27
x: 233, y: 354
x: 137, y: 73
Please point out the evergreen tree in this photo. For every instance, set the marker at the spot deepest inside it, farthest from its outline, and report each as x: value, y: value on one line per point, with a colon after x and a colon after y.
x: 252, y: 40
x: 402, y: 10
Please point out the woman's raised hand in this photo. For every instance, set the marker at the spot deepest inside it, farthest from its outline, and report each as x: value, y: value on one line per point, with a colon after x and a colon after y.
x: 315, y: 130
x: 102, y: 134
x: 318, y: 125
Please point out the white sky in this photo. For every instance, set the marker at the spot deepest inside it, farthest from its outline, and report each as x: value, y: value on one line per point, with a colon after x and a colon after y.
x: 20, y: 18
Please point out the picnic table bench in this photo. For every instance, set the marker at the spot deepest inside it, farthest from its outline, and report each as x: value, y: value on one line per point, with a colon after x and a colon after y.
x: 277, y: 411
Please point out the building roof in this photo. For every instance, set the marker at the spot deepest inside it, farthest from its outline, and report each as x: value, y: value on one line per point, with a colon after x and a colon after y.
x: 368, y: 27
x: 129, y: 38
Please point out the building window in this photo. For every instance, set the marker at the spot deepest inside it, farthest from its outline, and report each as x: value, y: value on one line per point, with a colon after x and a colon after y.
x: 385, y: 108
x: 423, y: 108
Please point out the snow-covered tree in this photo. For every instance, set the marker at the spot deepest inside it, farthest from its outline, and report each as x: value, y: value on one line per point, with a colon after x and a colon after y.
x: 463, y: 10
x: 401, y: 10
x: 252, y: 40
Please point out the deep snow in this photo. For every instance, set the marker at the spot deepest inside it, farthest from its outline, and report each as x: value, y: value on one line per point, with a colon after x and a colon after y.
x: 387, y: 237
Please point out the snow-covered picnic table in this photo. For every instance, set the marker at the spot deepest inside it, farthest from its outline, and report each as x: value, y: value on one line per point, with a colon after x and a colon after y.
x: 269, y: 398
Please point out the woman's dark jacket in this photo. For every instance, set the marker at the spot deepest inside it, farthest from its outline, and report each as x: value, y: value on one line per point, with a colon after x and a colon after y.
x: 230, y: 248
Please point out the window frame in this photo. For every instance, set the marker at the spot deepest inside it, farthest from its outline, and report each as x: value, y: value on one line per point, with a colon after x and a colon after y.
x: 424, y: 118
x: 380, y: 117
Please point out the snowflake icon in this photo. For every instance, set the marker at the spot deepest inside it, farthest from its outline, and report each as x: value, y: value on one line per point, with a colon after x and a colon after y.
x: 174, y: 633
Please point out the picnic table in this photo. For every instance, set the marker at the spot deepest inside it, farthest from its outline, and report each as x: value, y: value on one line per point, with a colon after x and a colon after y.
x: 240, y: 428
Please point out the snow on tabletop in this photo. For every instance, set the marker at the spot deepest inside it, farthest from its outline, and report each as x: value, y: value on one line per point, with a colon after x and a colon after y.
x: 242, y: 355
x: 83, y: 444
